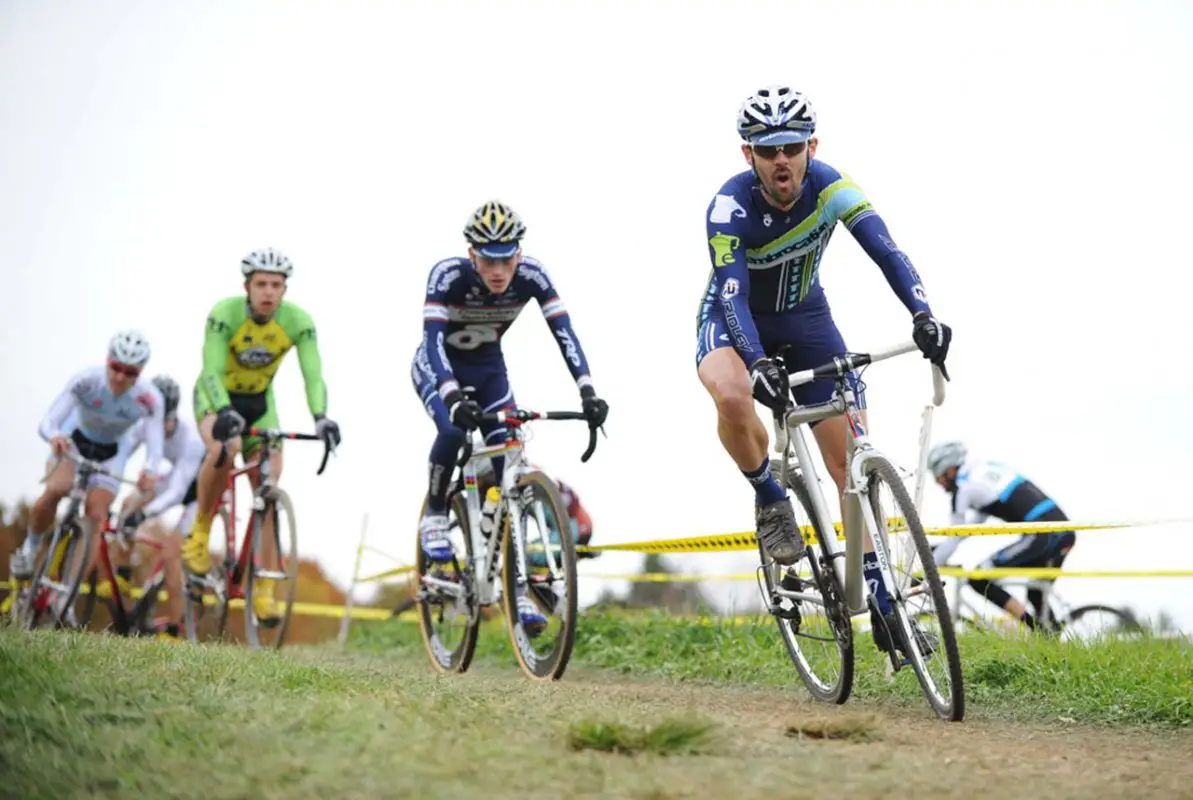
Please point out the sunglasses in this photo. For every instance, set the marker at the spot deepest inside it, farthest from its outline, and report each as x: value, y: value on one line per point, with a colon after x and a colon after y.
x: 123, y: 369
x: 771, y: 151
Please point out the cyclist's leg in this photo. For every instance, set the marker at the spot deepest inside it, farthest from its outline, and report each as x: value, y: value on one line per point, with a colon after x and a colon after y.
x: 441, y: 462
x: 171, y: 556
x: 41, y: 516
x: 493, y: 393
x: 211, y: 483
x: 744, y: 437
x: 1027, y: 551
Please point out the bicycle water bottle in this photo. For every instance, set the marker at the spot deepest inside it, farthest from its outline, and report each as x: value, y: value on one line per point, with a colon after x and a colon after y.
x: 489, y: 512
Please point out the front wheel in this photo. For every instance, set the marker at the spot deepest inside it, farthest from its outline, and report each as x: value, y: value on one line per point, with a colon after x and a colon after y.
x: 277, y: 582
x: 58, y: 576
x: 932, y: 647
x: 542, y: 568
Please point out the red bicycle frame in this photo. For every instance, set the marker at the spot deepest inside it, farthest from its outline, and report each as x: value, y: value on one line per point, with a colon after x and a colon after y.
x: 116, y: 602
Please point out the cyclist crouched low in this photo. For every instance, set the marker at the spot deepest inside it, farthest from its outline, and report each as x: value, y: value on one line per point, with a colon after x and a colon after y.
x: 983, y: 489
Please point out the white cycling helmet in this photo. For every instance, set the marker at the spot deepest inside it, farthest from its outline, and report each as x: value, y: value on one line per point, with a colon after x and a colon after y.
x: 776, y: 115
x: 945, y: 455
x: 129, y: 347
x: 267, y: 260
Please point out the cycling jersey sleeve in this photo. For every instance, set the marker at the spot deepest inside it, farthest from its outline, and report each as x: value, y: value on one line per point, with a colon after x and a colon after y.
x: 155, y: 433
x: 435, y: 319
x: 732, y: 275
x: 871, y: 233
x: 301, y: 329
x: 179, y: 480
x: 215, y: 355
x: 943, y: 551
x: 51, y: 425
x: 561, y: 326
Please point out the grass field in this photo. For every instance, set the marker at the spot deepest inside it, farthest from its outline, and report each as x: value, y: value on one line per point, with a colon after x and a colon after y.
x: 650, y: 707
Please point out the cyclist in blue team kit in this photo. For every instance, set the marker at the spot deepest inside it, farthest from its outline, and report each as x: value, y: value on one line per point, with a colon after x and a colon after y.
x: 981, y: 489
x: 470, y: 303
x: 768, y: 228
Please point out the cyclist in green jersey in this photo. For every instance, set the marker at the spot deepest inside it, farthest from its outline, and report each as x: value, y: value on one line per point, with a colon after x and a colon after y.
x: 247, y: 338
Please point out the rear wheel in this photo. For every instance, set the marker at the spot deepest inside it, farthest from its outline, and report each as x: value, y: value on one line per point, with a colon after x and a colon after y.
x: 549, y: 568
x: 910, y: 557
x: 448, y: 614
x: 817, y: 632
x: 281, y: 581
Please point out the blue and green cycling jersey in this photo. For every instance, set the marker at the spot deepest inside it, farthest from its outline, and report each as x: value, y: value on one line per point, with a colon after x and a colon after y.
x: 766, y: 262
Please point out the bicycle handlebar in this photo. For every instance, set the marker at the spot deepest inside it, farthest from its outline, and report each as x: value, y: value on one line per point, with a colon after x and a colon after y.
x: 272, y: 435
x: 845, y: 363
x: 516, y: 417
x: 93, y: 466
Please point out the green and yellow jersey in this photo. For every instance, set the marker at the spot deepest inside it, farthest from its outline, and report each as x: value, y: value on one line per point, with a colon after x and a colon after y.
x: 241, y: 356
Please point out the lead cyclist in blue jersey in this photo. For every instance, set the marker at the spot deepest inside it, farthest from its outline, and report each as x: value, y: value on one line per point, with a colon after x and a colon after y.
x: 767, y: 231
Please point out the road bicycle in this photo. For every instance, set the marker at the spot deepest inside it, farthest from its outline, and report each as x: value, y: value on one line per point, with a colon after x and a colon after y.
x: 131, y: 610
x: 450, y: 597
x: 814, y: 601
x: 238, y: 575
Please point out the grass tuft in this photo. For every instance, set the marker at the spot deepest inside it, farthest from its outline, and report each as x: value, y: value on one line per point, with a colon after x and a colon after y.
x: 668, y: 737
x: 850, y: 729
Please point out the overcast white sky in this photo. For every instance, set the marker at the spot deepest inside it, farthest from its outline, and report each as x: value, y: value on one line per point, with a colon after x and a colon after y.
x: 1031, y: 158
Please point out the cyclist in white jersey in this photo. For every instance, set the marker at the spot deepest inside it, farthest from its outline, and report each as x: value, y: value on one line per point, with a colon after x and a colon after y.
x: 97, y: 407
x: 982, y: 489
x: 184, y: 449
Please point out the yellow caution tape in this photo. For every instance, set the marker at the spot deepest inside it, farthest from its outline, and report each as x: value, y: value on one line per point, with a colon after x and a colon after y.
x: 389, y: 573
x: 745, y: 540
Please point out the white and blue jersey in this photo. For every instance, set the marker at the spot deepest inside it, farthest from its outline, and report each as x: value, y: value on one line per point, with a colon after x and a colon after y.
x: 764, y: 288
x: 463, y: 323
x: 184, y: 450
x: 96, y: 420
x: 991, y: 489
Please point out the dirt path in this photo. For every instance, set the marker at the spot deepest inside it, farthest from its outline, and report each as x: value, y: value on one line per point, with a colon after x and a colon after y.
x: 752, y: 752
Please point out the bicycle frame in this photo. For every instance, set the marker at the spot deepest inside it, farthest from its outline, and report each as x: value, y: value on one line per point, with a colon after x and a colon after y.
x: 234, y: 565
x: 487, y: 553
x: 117, y: 602
x: 858, y: 516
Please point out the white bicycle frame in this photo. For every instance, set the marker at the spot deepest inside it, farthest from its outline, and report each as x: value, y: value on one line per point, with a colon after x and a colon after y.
x: 486, y: 558
x: 859, y: 517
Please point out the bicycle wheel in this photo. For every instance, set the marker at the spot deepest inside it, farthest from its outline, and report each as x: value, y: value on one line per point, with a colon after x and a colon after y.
x: 85, y: 607
x: 942, y: 683
x: 271, y: 633
x: 818, y: 635
x: 550, y: 570
x: 1094, y: 622
x: 141, y: 617
x: 38, y: 600
x: 448, y: 614
x: 205, y: 605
